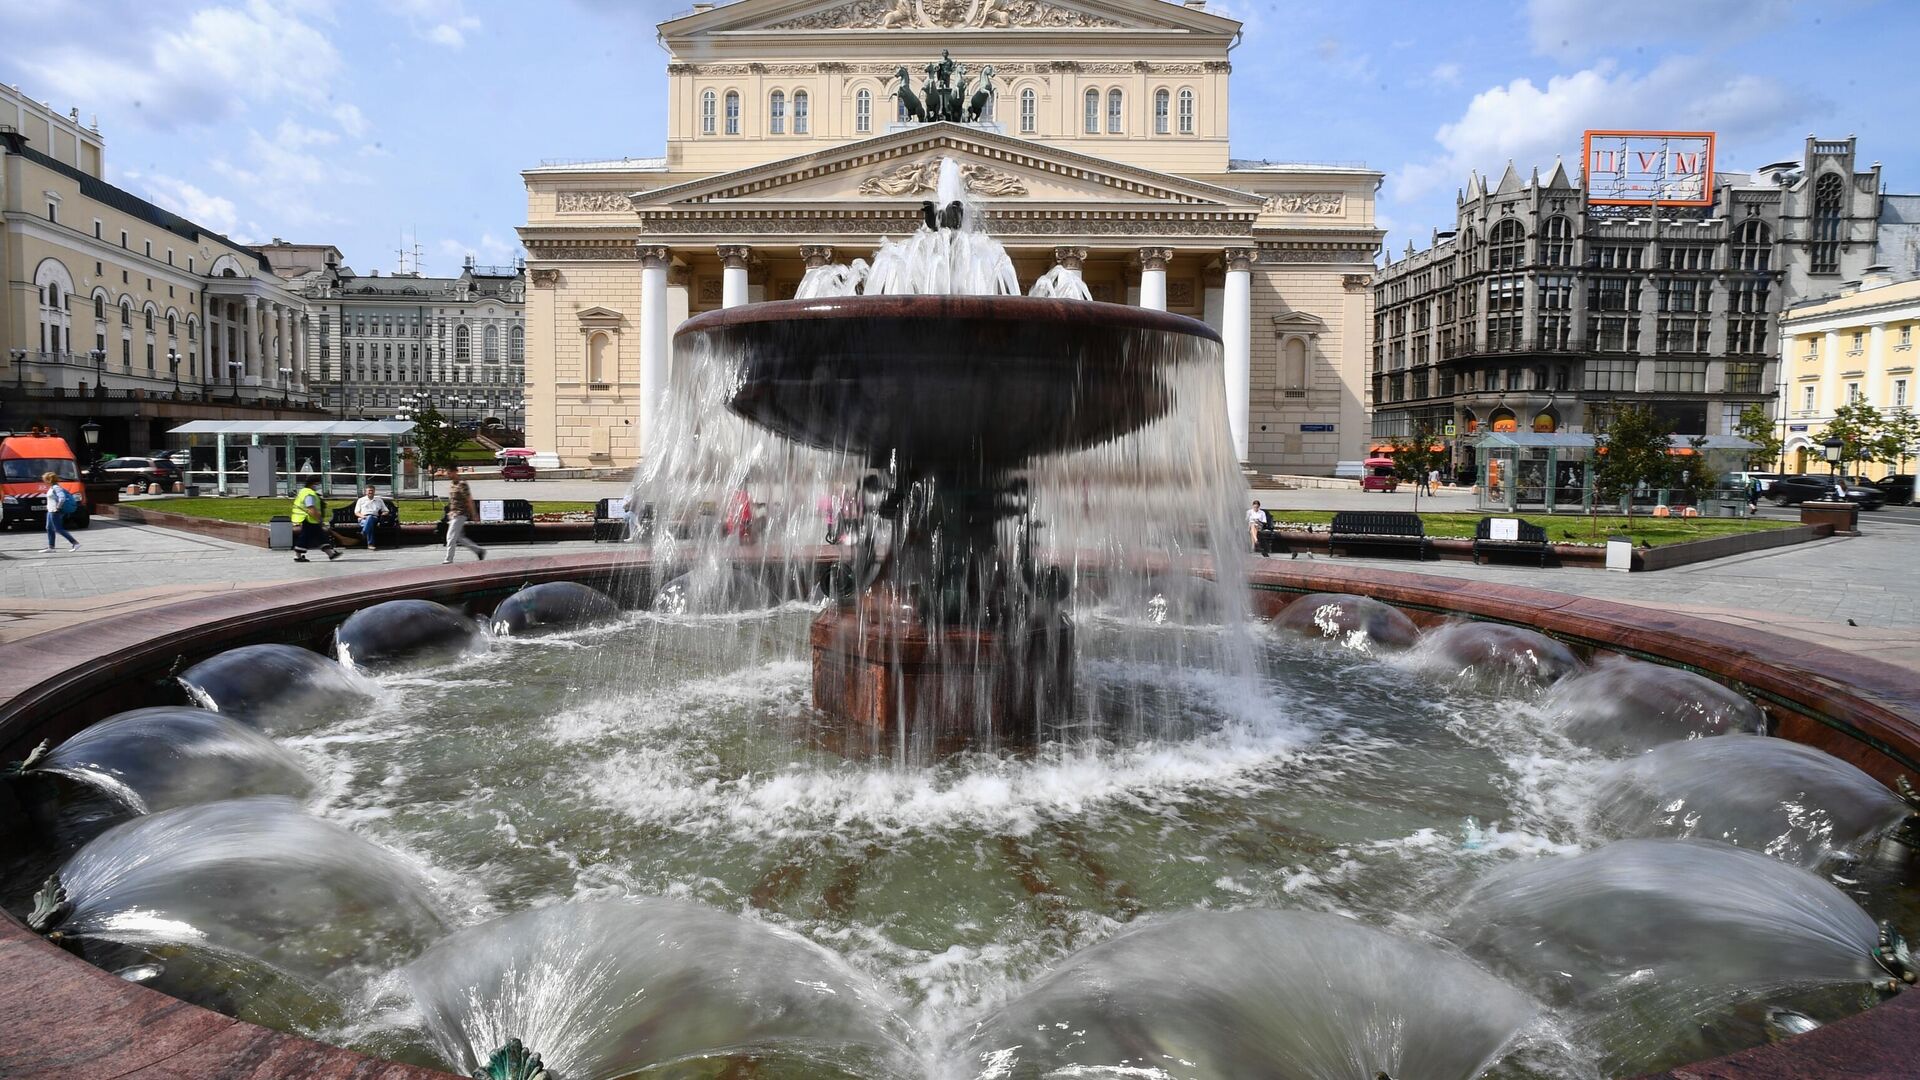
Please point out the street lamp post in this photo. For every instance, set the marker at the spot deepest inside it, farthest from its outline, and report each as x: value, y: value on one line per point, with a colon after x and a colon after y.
x: 173, y: 365
x: 90, y: 434
x: 19, y: 366
x: 1833, y: 448
x: 99, y: 358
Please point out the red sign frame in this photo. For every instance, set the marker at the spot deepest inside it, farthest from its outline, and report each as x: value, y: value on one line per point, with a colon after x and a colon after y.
x: 1702, y: 146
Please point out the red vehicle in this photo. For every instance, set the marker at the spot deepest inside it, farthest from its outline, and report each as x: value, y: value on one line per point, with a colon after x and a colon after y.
x: 517, y: 468
x: 23, y: 460
x: 1379, y: 475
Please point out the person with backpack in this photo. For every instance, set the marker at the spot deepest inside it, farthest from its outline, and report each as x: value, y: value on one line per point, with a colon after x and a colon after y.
x: 310, y: 522
x: 60, y: 503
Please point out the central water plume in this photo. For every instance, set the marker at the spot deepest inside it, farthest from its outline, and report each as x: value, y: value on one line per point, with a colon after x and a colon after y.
x: 988, y: 468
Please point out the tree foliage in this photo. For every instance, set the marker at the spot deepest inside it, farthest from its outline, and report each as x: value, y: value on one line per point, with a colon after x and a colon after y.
x: 1758, y: 426
x: 1864, y: 435
x: 1633, y: 453
x: 1417, y: 458
x: 435, y: 442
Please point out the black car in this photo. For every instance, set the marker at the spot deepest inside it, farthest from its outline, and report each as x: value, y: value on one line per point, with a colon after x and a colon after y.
x: 1898, y: 487
x: 1798, y: 489
x: 140, y: 470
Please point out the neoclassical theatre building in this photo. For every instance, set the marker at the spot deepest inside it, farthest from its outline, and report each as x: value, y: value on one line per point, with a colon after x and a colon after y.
x: 1105, y: 148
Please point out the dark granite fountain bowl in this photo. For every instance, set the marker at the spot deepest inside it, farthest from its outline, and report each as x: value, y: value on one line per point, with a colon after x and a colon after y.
x: 949, y: 382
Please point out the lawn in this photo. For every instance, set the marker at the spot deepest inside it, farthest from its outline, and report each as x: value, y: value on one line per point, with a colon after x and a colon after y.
x: 258, y: 511
x: 1567, y: 528
x: 472, y: 453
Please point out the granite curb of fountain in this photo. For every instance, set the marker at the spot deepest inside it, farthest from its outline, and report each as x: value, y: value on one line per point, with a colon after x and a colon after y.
x: 70, y: 1021
x: 1591, y: 556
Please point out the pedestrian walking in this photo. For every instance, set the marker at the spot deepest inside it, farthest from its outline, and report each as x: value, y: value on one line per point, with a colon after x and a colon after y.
x: 1433, y: 482
x: 310, y: 522
x: 460, y: 510
x: 368, y: 509
x: 60, y: 503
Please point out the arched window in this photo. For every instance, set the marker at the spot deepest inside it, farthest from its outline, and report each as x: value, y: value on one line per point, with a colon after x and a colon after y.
x: 126, y: 313
x: 1752, y: 246
x: 462, y: 344
x: 733, y: 112
x: 170, y: 330
x: 863, y: 112
x: 1029, y: 110
x: 100, y: 308
x: 149, y: 315
x: 1113, y: 111
x: 1162, y: 112
x: 516, y: 345
x: 1186, y: 112
x: 1293, y: 367
x: 597, y: 350
x: 1507, y: 246
x: 1093, y: 112
x: 709, y: 102
x: 800, y: 110
x: 490, y: 345
x: 1826, y: 224
x: 777, y: 113
x: 900, y: 110
x: 1556, y: 242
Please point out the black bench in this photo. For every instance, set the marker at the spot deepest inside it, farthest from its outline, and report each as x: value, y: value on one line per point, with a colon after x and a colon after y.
x: 514, y: 527
x: 1531, y: 539
x: 608, y: 529
x: 386, y: 530
x: 1381, y: 528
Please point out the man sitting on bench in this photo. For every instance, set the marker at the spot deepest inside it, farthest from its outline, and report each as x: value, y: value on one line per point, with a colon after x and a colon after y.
x: 1256, y: 522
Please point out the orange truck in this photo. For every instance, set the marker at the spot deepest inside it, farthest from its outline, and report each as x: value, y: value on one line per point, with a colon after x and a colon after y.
x: 24, y: 459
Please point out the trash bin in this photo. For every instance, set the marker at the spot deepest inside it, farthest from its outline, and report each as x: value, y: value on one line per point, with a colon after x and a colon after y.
x: 280, y: 533
x: 1620, y: 553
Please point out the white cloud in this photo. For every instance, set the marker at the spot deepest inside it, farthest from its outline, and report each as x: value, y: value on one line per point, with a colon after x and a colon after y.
x: 1447, y: 74
x: 1570, y: 29
x: 490, y: 249
x: 215, y: 212
x: 351, y: 119
x: 442, y: 22
x: 1532, y: 124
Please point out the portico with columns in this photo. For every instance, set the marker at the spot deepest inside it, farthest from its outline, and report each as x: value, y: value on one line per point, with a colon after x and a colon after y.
x: 620, y: 252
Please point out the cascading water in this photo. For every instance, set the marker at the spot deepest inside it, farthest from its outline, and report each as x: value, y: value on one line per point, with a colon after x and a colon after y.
x: 156, y: 759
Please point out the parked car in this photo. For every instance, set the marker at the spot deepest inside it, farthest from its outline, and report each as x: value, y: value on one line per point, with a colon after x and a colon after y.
x: 24, y: 459
x: 518, y: 469
x: 1898, y: 487
x: 1738, y: 481
x: 1798, y: 489
x: 141, y: 470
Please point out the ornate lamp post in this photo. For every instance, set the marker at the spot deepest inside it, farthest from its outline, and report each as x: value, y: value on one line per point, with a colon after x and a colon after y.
x: 19, y: 366
x: 173, y: 365
x: 90, y: 434
x: 99, y: 358
x: 1833, y: 448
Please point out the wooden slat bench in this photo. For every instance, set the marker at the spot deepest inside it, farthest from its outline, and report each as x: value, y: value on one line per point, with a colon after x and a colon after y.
x: 386, y: 531
x: 1530, y: 540
x: 1379, y: 528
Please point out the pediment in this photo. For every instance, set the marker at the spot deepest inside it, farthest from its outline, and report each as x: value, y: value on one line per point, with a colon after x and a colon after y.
x: 903, y: 166
x: 1299, y: 322
x: 945, y: 16
x: 599, y: 316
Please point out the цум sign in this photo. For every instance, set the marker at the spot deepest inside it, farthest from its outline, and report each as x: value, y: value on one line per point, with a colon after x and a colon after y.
x: 1648, y: 168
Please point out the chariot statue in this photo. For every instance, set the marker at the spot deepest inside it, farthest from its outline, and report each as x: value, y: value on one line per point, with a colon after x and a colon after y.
x: 944, y: 94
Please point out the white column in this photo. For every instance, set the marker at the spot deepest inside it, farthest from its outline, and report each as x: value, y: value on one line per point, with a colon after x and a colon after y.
x: 1072, y: 258
x: 1877, y: 367
x: 252, y: 334
x: 1829, y: 375
x: 1236, y: 333
x: 654, y: 342
x: 733, y: 274
x: 283, y: 324
x: 1153, y: 277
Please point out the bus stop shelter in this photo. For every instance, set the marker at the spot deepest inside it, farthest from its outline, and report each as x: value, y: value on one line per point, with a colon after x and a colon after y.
x: 1552, y: 472
x: 346, y: 455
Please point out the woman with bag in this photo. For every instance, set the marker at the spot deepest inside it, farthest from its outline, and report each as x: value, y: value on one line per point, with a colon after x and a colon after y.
x: 60, y: 503
x: 460, y: 510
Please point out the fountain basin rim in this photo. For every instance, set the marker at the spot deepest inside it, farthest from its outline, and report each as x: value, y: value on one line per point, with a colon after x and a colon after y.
x: 128, y: 1031
x: 970, y: 308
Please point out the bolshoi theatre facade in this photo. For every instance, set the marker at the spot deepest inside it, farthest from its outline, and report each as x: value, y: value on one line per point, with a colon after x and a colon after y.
x: 1104, y: 148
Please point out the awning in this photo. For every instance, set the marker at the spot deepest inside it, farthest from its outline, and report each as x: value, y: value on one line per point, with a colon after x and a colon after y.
x: 342, y: 428
x: 1387, y: 448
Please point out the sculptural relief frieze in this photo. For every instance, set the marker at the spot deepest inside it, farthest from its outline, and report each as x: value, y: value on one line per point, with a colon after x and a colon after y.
x: 594, y: 202
x: 1321, y: 203
x: 944, y: 14
x: 918, y: 176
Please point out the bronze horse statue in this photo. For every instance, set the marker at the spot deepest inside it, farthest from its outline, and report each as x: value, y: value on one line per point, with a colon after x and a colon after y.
x: 915, y: 108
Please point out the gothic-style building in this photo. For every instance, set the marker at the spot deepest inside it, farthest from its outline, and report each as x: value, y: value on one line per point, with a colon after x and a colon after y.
x: 1104, y: 149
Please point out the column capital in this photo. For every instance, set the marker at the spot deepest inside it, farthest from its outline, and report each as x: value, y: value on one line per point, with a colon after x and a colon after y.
x: 816, y: 255
x: 1240, y: 258
x: 734, y: 256
x: 1073, y: 258
x: 653, y: 256
x: 1155, y: 258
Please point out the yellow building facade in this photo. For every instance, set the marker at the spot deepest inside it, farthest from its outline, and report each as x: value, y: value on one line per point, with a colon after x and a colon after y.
x: 1854, y: 347
x: 1104, y: 150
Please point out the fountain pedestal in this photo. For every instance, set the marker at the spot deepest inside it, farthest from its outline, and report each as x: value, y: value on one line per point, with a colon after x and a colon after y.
x: 883, y: 672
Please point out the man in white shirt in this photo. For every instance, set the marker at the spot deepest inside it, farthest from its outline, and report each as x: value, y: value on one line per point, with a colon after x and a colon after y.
x: 368, y: 508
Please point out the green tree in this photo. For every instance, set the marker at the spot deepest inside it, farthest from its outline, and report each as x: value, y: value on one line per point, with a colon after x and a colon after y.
x: 1416, y: 458
x: 1863, y: 434
x: 1757, y: 426
x: 435, y: 443
x: 1633, y: 452
x: 1902, y: 428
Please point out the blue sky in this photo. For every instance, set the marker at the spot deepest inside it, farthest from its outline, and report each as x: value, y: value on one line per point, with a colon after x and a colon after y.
x: 366, y: 125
